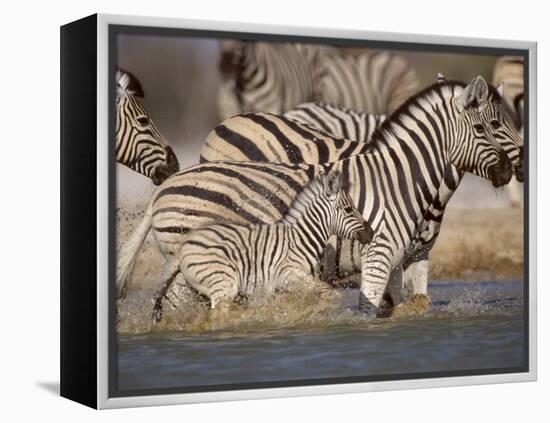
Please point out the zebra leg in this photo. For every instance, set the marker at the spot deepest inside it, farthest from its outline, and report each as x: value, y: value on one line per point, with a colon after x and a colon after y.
x: 394, y: 294
x: 168, y: 274
x: 222, y: 293
x: 415, y: 284
x: 180, y: 293
x: 376, y: 269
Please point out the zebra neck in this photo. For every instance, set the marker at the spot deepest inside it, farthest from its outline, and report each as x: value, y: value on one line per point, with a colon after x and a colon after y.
x: 427, y: 122
x: 309, y: 221
x: 309, y: 237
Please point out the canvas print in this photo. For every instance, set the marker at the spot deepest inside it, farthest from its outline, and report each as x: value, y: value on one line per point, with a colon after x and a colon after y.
x: 300, y: 211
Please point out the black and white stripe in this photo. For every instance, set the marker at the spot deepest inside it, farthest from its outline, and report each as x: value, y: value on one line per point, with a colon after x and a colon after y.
x: 267, y: 77
x: 508, y: 71
x: 139, y: 144
x: 264, y: 137
x: 394, y: 184
x: 276, y: 77
x: 268, y: 138
x: 337, y: 121
x: 226, y: 260
x: 370, y: 82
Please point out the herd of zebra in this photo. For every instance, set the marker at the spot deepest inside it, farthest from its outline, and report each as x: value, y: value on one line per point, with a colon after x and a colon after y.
x: 262, y: 203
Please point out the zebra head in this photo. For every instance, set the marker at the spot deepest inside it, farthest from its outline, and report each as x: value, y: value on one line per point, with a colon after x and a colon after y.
x: 139, y: 144
x: 503, y: 129
x: 347, y: 222
x: 475, y: 149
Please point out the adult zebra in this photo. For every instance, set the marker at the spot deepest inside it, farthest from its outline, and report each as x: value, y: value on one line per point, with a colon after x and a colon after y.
x: 277, y: 140
x: 394, y: 184
x: 276, y: 77
x: 370, y: 82
x: 267, y: 77
x: 508, y: 70
x: 139, y: 144
x: 222, y: 261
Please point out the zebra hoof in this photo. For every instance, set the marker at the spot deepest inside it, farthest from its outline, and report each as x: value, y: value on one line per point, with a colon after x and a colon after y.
x: 386, y: 308
x: 417, y: 305
x: 366, y: 307
x: 156, y: 316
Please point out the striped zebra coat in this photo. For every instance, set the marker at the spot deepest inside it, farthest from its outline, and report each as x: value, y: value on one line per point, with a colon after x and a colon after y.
x: 276, y: 77
x: 371, y: 82
x: 508, y: 71
x: 311, y: 133
x: 267, y: 77
x: 139, y: 144
x: 338, y: 122
x: 277, y: 140
x: 226, y: 260
x: 403, y: 171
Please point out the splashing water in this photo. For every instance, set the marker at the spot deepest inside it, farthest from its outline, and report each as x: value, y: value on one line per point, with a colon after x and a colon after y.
x: 307, y: 334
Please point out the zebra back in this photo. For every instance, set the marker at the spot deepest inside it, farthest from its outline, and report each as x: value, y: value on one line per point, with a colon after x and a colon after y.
x: 266, y: 77
x: 265, y: 137
x: 370, y: 82
x: 337, y: 121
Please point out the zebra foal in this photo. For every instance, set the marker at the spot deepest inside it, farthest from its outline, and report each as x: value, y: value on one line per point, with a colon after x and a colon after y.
x: 224, y: 260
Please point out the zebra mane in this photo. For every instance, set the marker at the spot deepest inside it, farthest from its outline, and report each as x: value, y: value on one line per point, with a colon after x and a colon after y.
x: 305, y: 198
x: 128, y: 83
x: 434, y: 89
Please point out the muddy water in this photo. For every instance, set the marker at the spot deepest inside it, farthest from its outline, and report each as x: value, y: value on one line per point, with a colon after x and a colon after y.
x: 470, y: 325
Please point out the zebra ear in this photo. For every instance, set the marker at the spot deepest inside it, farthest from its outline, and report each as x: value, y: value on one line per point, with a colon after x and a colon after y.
x: 440, y: 78
x: 500, y: 89
x: 475, y: 94
x: 333, y: 183
x: 126, y: 82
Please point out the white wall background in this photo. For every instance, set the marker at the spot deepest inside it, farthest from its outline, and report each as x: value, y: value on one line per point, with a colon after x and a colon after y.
x: 29, y: 74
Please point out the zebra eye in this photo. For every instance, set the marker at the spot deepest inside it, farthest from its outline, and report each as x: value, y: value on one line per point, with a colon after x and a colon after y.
x: 143, y: 121
x: 348, y: 209
x: 495, y: 124
x: 478, y: 128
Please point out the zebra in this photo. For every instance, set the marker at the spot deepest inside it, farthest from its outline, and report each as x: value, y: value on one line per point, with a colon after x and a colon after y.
x: 278, y: 142
x: 276, y: 77
x: 371, y: 82
x: 508, y: 70
x: 267, y: 77
x: 139, y: 144
x: 408, y: 161
x: 224, y: 260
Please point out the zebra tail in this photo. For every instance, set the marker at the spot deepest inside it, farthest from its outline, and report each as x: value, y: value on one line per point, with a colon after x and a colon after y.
x: 127, y: 256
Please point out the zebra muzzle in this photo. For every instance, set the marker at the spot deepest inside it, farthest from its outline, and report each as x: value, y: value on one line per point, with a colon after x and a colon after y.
x: 166, y: 169
x: 501, y: 173
x: 365, y: 236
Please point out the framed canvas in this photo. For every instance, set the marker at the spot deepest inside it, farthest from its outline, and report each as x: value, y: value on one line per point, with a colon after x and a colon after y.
x: 254, y: 211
